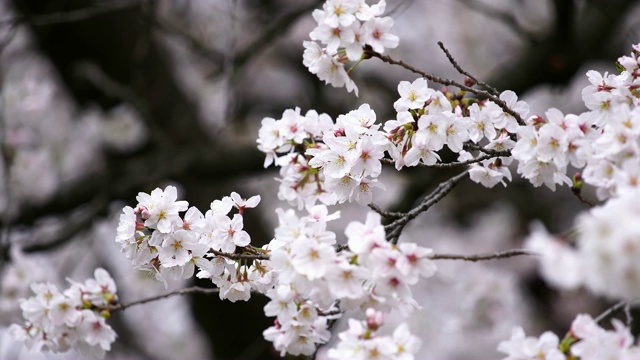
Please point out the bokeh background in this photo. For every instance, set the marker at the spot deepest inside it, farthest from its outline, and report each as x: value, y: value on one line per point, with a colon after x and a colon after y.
x: 102, y: 99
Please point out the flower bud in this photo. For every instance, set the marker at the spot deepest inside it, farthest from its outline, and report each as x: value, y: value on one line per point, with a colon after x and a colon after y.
x: 375, y: 319
x: 469, y: 82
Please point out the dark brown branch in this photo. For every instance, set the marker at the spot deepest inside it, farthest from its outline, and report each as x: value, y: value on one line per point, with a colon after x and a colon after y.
x: 195, y: 44
x: 482, y: 257
x: 395, y: 228
x: 385, y: 213
x: 93, y: 74
x: 268, y: 35
x: 486, y: 156
x: 482, y: 93
x: 72, y: 15
x: 73, y: 226
x: 578, y: 193
x: 455, y: 64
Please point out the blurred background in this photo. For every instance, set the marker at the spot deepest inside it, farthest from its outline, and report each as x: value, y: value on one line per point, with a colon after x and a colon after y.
x: 102, y: 99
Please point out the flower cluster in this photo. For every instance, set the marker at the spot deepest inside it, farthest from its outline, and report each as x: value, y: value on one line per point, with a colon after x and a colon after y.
x: 361, y: 342
x: 344, y: 28
x: 547, y: 146
x: 427, y: 120
x: 284, y: 142
x: 72, y: 319
x: 586, y: 341
x: 155, y: 238
x: 312, y: 275
x: 595, y: 343
x: 603, y: 140
x: 349, y: 158
x: 606, y: 252
x: 522, y: 347
x: 323, y: 161
x: 301, y: 270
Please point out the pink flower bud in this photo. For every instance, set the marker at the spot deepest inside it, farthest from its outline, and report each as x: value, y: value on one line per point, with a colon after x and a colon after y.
x: 375, y: 319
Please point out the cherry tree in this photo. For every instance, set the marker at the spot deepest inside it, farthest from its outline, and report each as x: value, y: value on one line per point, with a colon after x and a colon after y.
x: 345, y: 284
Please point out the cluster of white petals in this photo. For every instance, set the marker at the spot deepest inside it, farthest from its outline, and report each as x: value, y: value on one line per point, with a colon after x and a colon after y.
x: 360, y: 341
x: 586, y: 340
x: 311, y: 280
x: 344, y: 28
x: 595, y: 342
x: 156, y: 238
x: 522, y: 347
x: 313, y: 277
x: 605, y: 256
x: 323, y: 161
x: 603, y: 140
x: 72, y: 319
x: 428, y: 119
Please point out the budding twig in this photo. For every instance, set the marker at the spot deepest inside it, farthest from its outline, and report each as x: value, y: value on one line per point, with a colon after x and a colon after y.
x: 446, y: 82
x: 463, y: 72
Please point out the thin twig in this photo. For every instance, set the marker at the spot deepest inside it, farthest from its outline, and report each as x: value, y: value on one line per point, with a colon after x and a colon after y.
x: 463, y: 72
x: 482, y: 257
x: 189, y: 290
x: 385, y: 213
x: 622, y: 305
x: 450, y: 165
x: 610, y: 311
x: 577, y: 192
x: 267, y: 35
x: 627, y: 314
x: 483, y: 93
x: 395, y: 228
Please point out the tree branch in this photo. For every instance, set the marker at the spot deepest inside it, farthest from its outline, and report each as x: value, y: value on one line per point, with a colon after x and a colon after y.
x: 463, y: 72
x: 72, y: 15
x: 189, y: 290
x: 395, y: 228
x: 483, y: 257
x: 486, y: 156
x: 385, y: 213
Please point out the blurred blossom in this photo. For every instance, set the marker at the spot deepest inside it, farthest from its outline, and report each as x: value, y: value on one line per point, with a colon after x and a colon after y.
x: 15, y: 279
x: 123, y: 130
